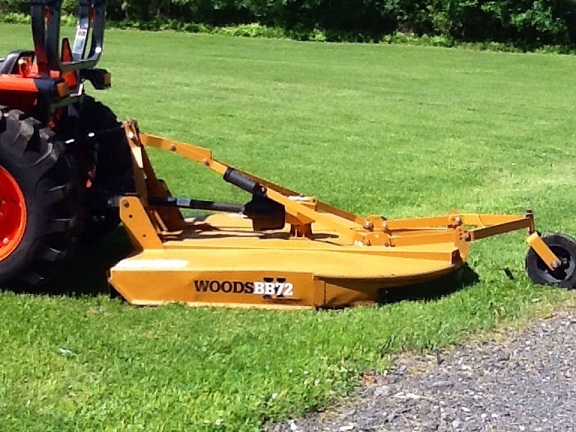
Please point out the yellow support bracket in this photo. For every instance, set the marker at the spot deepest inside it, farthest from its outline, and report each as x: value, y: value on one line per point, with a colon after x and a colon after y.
x: 543, y: 251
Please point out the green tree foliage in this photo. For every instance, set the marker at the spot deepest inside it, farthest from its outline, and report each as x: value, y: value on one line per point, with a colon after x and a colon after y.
x: 529, y: 23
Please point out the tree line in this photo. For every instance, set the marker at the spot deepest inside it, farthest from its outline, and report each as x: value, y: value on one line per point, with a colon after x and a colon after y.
x: 531, y: 23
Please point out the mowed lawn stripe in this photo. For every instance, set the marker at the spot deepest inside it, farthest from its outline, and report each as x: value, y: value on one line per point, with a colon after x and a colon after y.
x: 375, y: 129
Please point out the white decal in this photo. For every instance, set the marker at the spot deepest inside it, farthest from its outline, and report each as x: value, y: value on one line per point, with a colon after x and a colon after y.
x: 159, y: 264
x: 279, y: 289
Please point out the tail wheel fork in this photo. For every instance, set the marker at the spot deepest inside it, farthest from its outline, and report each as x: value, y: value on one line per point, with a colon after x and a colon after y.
x: 560, y: 252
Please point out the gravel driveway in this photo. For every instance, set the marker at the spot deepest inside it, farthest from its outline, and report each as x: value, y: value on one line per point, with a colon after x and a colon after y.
x: 525, y: 382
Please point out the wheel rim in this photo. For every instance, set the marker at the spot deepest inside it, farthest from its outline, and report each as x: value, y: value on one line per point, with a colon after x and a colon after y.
x: 12, y: 214
x: 563, y: 272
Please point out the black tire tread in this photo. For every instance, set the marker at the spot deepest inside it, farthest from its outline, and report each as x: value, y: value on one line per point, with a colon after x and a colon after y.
x: 53, y: 187
x: 113, y: 166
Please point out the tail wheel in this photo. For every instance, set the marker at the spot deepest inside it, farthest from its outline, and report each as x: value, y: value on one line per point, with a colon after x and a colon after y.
x: 41, y: 197
x: 112, y: 171
x: 564, y: 247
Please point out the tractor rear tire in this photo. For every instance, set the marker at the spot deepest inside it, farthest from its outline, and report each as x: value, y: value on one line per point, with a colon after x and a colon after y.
x: 113, y: 173
x: 41, y: 200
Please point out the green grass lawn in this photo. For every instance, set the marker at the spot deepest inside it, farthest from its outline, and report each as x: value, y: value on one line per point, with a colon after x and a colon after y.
x: 394, y: 130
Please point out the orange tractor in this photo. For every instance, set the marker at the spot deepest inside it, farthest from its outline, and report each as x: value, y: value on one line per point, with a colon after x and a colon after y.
x: 70, y: 172
x: 62, y: 155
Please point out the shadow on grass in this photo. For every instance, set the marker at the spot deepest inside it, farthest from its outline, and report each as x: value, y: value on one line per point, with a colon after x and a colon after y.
x: 433, y: 290
x: 86, y: 273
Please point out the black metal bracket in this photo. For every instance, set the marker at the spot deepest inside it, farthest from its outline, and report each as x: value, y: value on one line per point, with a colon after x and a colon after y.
x: 46, y: 16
